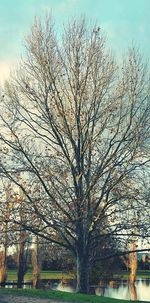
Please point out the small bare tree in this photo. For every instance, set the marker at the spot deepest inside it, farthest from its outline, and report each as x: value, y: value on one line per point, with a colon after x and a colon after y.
x: 75, y: 126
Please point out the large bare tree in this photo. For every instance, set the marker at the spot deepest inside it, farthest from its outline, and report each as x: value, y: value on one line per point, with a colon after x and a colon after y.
x: 75, y: 133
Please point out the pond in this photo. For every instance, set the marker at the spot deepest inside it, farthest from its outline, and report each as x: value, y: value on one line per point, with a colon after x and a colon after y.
x: 123, y: 290
x: 119, y: 289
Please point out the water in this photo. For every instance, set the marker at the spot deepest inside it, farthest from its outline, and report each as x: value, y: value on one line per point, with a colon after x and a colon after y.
x: 123, y: 290
x: 119, y: 289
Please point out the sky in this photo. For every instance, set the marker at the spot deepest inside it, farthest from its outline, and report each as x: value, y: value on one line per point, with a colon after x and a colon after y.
x: 124, y: 21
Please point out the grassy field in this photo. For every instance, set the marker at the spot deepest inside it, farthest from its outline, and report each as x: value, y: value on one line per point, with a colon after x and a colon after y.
x: 145, y: 274
x: 60, y: 296
x: 12, y: 275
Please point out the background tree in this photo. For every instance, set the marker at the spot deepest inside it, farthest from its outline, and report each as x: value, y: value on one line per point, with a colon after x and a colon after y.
x: 75, y: 126
x: 22, y: 237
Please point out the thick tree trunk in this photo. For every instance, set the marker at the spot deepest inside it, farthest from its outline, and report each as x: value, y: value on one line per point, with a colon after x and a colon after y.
x: 82, y: 274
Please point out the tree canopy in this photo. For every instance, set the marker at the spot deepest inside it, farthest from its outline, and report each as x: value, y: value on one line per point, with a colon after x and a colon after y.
x: 75, y: 141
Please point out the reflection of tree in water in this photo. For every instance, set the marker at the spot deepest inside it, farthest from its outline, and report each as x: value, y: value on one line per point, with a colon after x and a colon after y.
x: 123, y: 289
x: 124, y: 283
x: 133, y: 292
x: 114, y: 284
x: 146, y: 282
x: 100, y: 291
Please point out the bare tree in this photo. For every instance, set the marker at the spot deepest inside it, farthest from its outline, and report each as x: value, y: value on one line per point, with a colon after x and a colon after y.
x: 75, y: 128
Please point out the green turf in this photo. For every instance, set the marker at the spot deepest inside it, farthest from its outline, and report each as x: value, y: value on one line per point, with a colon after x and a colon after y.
x: 12, y: 275
x: 145, y: 274
x: 61, y: 296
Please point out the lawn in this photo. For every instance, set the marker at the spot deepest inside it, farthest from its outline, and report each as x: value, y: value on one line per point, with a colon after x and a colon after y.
x: 145, y: 274
x: 49, y: 275
x: 60, y: 296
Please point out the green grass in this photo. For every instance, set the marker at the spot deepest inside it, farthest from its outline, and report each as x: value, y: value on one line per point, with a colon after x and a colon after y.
x: 12, y: 275
x: 49, y: 275
x: 140, y: 274
x: 61, y: 296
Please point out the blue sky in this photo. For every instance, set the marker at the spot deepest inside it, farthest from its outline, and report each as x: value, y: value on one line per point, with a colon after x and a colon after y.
x: 124, y: 22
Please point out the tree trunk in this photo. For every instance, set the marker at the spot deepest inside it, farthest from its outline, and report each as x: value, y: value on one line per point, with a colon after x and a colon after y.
x: 133, y: 265
x: 3, y: 258
x: 82, y: 274
x: 36, y: 277
x: 3, y: 274
x: 21, y: 266
x: 36, y: 264
x: 133, y: 268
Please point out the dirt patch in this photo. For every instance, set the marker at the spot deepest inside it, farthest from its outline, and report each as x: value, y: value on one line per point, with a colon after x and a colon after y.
x: 24, y: 299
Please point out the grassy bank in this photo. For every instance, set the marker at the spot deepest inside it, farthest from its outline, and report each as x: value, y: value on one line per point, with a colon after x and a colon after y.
x: 60, y: 296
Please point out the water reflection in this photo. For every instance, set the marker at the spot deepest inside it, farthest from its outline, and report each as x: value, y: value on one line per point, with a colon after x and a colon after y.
x: 119, y: 289
x: 143, y: 289
x: 119, y: 292
x: 133, y: 292
x: 123, y: 290
x: 65, y: 288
